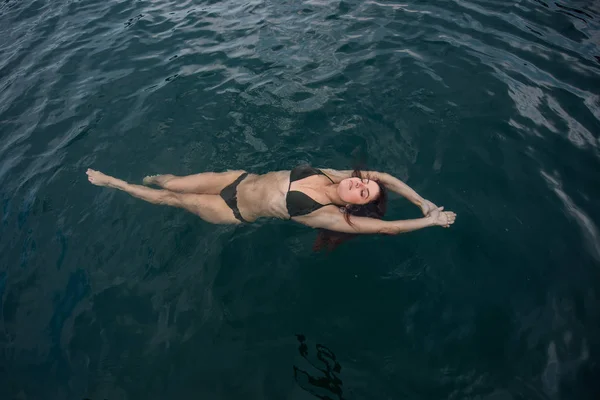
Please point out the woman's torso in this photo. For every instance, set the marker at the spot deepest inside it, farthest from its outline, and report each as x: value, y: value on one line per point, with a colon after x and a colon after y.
x: 265, y: 195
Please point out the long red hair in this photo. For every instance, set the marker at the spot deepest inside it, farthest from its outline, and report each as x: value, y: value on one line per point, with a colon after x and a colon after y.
x: 329, y: 240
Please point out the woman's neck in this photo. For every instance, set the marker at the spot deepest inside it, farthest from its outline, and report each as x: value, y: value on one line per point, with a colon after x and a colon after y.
x: 332, y: 194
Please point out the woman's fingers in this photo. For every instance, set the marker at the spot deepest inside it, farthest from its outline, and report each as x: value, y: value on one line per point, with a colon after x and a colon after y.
x: 445, y: 218
x: 450, y: 217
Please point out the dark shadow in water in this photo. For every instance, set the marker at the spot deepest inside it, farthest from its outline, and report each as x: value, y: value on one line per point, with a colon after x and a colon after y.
x: 314, y: 384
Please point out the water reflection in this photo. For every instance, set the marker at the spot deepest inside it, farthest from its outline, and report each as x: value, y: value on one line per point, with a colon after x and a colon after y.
x: 322, y: 384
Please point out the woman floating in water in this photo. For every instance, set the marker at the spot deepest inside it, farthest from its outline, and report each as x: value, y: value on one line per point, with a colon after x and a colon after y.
x: 340, y: 201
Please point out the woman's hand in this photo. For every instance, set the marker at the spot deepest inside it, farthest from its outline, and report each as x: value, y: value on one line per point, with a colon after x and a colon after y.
x: 442, y: 218
x: 426, y: 207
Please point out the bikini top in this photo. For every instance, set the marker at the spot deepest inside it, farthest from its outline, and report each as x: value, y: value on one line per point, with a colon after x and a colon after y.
x: 299, y: 203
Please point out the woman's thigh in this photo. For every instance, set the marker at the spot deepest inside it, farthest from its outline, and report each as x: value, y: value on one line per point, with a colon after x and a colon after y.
x: 211, y: 208
x: 202, y: 183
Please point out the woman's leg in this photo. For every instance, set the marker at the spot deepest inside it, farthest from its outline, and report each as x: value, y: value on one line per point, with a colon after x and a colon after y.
x: 210, y: 208
x: 205, y: 183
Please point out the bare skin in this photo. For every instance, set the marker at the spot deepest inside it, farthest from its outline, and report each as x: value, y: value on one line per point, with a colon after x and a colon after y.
x: 265, y: 196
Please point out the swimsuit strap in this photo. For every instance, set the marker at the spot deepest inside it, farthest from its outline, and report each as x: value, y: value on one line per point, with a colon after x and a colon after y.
x: 323, y: 173
x: 304, y: 171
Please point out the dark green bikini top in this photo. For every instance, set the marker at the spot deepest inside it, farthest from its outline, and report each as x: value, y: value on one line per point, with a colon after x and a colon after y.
x: 299, y: 203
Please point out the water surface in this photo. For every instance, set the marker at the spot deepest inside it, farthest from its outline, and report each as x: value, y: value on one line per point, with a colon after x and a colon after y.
x: 490, y: 108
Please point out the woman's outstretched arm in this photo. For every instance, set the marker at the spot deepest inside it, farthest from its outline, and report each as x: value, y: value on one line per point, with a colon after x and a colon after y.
x: 332, y: 219
x: 391, y: 183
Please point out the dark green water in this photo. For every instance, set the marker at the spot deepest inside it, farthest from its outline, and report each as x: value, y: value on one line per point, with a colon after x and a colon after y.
x: 490, y: 108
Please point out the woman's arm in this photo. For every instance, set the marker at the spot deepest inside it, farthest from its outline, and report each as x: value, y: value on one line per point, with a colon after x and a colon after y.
x: 397, y: 186
x: 331, y: 218
x: 391, y: 183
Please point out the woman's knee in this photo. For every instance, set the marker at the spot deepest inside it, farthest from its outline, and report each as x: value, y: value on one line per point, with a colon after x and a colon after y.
x: 169, y: 198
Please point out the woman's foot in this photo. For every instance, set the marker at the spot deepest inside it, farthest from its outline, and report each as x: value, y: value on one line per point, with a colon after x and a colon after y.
x: 158, y: 180
x: 98, y: 178
x: 150, y: 180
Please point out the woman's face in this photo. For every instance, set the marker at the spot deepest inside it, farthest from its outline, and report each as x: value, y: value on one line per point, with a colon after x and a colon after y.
x: 357, y: 191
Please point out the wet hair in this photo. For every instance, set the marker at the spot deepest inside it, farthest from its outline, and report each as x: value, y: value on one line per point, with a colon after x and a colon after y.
x: 329, y: 240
